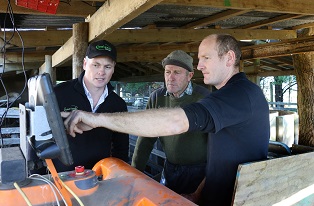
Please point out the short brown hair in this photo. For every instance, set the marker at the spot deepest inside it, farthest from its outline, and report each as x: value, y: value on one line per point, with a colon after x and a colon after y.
x: 225, y: 43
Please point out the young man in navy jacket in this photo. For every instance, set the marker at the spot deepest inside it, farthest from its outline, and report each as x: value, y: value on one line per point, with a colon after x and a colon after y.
x: 93, y: 92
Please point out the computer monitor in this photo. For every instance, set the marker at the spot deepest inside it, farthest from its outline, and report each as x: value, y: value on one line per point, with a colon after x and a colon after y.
x: 47, y: 134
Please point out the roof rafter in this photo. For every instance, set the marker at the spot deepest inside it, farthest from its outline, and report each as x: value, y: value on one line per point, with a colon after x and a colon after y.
x: 282, y: 6
x: 105, y: 21
x: 214, y: 18
x: 266, y: 22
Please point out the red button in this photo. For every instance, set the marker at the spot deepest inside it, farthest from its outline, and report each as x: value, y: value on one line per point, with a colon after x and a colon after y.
x: 79, y: 169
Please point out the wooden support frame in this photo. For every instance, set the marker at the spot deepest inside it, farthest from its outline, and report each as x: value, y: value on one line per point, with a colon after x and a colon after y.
x: 282, y: 181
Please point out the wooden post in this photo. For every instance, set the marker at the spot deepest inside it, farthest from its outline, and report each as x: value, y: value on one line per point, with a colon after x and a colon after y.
x: 118, y: 87
x: 49, y: 69
x: 253, y: 76
x: 80, y: 42
x: 304, y: 71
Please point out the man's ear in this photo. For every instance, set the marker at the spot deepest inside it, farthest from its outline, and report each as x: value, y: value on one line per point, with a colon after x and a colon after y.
x: 230, y: 58
x: 84, y: 63
x: 191, y: 74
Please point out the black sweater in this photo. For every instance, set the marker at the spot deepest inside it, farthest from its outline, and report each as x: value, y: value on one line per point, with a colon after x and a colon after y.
x: 91, y: 146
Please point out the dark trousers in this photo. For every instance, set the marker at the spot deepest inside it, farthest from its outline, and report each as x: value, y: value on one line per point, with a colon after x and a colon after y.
x: 183, y: 179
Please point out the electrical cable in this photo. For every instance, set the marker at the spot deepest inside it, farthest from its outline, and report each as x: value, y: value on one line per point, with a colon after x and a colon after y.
x: 22, y: 193
x: 52, y: 186
x: 2, y: 83
x: 23, y: 50
x: 52, y: 189
x: 5, y: 42
x: 67, y: 188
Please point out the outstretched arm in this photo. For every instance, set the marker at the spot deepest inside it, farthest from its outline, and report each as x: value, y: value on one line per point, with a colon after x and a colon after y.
x: 149, y: 123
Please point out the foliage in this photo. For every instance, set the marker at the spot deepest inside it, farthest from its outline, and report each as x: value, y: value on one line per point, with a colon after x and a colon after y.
x: 278, y: 86
x: 279, y: 80
x: 141, y: 88
x: 289, y: 82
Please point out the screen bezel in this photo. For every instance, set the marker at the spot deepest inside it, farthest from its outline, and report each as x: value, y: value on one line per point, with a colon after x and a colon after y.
x: 41, y: 93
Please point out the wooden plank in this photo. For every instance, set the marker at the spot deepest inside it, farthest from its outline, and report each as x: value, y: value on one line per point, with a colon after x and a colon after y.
x: 141, y: 36
x: 282, y: 48
x: 270, y: 21
x: 115, y: 14
x: 277, y: 181
x: 38, y: 38
x: 283, y: 6
x: 20, y: 67
x: 105, y: 21
x: 215, y: 18
x: 29, y: 56
x: 63, y: 54
x: 165, y: 35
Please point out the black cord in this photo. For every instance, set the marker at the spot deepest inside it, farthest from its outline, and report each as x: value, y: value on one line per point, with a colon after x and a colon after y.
x: 9, y: 105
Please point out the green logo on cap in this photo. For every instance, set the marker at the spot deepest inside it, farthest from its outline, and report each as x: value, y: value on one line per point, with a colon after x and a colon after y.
x: 103, y: 47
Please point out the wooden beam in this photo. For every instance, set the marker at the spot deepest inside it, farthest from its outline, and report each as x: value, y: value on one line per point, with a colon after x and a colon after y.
x: 122, y: 70
x: 64, y: 54
x: 266, y: 73
x: 283, y: 61
x: 267, y: 22
x: 283, y: 48
x: 125, y: 68
x: 38, y: 38
x: 102, y: 23
x: 272, y: 66
x: 275, y: 73
x: 279, y: 6
x: 156, y: 68
x: 29, y: 56
x: 114, y: 14
x: 137, y: 67
x: 58, y: 38
x: 132, y: 53
x: 154, y: 53
x: 157, y: 77
x: 21, y: 67
x: 214, y: 18
x: 303, y: 26
x: 144, y: 57
x: 140, y: 36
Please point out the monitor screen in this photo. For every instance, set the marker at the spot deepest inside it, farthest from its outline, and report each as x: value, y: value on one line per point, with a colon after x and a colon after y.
x: 49, y: 141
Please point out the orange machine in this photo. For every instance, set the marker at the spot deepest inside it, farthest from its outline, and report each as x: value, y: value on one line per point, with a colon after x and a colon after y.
x: 110, y: 182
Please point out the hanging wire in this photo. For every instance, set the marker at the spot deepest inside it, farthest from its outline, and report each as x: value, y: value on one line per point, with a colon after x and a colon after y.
x: 9, y: 104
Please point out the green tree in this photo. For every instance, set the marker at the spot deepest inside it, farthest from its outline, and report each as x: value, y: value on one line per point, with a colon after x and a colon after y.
x: 141, y: 88
x: 279, y: 89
